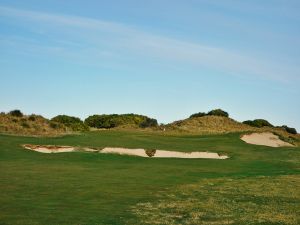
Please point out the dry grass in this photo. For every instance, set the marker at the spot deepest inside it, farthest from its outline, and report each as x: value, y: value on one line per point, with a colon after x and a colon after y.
x: 33, y: 125
x: 209, y: 124
x: 260, y: 200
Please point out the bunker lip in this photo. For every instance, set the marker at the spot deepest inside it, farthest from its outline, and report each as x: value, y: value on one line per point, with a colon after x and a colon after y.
x: 266, y: 139
x: 49, y: 148
x: 126, y: 151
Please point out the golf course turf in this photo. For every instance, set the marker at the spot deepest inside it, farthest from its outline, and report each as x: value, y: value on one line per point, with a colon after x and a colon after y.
x: 256, y: 185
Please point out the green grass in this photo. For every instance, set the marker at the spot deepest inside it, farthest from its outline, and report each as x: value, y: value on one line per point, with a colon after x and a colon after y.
x: 91, y: 188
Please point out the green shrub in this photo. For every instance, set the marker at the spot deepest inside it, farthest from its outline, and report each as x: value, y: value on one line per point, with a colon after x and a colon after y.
x: 54, y: 125
x: 64, y: 119
x: 72, y: 122
x: 199, y: 114
x: 290, y: 129
x: 32, y: 118
x: 115, y: 120
x: 218, y: 112
x: 148, y: 123
x: 79, y: 127
x: 258, y: 123
x: 16, y: 113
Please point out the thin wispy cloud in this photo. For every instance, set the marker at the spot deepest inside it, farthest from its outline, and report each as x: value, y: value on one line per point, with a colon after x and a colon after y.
x: 93, y: 36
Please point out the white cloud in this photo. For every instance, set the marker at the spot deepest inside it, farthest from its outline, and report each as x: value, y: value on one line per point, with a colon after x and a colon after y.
x: 98, y: 35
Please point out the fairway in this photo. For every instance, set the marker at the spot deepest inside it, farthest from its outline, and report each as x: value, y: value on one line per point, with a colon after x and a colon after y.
x: 256, y: 185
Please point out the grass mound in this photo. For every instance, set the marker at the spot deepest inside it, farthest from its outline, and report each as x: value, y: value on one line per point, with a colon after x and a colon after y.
x: 209, y: 124
x: 30, y: 125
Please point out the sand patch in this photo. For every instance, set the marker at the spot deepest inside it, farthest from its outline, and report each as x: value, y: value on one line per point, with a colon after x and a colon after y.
x: 126, y: 151
x: 163, y: 153
x: 266, y: 139
x: 49, y: 148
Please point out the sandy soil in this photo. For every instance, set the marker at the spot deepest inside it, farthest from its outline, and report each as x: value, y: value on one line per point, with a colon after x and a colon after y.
x: 49, y: 148
x: 266, y: 139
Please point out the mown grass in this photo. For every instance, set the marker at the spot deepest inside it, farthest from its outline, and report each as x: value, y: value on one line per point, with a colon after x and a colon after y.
x: 91, y: 188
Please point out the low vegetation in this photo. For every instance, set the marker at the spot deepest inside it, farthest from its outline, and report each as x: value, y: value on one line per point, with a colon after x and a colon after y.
x: 290, y: 129
x: 16, y: 123
x: 199, y: 114
x: 75, y: 123
x: 218, y: 112
x: 215, y: 112
x: 214, y: 122
x: 123, y: 120
x: 16, y: 113
x: 258, y: 123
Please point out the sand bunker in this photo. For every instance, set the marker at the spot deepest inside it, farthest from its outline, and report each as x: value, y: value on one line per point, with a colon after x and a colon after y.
x: 163, y: 153
x: 49, y: 148
x: 266, y: 139
x: 126, y: 151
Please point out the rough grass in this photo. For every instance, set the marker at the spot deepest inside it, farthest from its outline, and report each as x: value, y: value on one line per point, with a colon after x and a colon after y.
x: 259, y: 200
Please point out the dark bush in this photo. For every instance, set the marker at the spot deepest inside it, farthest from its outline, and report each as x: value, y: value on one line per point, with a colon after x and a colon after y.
x: 16, y: 113
x: 115, y: 120
x: 148, y: 123
x: 218, y: 112
x: 79, y: 127
x: 258, y: 123
x: 72, y: 122
x: 64, y: 119
x: 290, y: 129
x: 32, y: 118
x: 54, y: 125
x: 200, y: 114
x: 100, y: 121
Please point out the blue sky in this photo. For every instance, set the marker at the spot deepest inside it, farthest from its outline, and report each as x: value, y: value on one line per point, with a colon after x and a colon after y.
x: 166, y: 59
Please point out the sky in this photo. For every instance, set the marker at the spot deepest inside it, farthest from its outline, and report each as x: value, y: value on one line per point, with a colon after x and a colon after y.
x: 166, y: 59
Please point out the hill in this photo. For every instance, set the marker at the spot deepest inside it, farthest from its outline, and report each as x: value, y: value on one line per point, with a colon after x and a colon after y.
x: 220, y: 124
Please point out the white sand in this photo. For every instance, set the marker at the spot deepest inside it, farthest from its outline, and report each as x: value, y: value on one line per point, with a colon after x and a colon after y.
x: 164, y: 154
x: 125, y: 151
x: 266, y: 139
